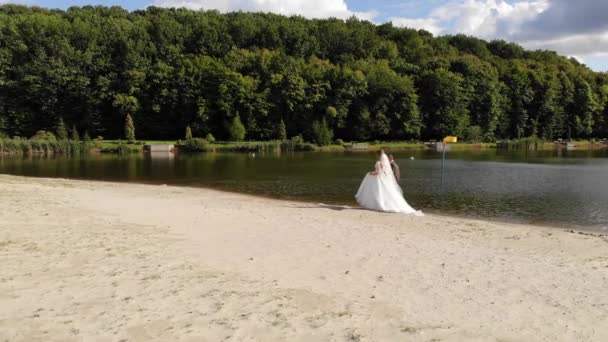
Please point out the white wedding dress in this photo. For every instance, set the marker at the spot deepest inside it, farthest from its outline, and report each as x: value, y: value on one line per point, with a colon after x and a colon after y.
x: 381, y: 192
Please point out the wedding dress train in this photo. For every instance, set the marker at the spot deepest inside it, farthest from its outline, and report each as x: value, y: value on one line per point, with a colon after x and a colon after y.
x: 381, y: 192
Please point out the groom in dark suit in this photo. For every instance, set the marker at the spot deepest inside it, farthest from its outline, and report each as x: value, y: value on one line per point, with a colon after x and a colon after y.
x: 395, y: 168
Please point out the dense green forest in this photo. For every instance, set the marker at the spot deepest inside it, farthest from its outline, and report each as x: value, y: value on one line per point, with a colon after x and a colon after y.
x: 278, y: 77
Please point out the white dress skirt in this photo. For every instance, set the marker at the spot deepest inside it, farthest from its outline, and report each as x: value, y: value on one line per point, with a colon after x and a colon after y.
x: 380, y: 191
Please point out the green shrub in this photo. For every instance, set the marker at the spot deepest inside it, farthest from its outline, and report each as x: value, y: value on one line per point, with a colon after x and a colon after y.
x: 489, y: 137
x: 323, y: 135
x: 210, y: 138
x: 6, y: 146
x: 297, y: 144
x: 26, y: 147
x: 297, y: 139
x: 282, y: 135
x: 304, y: 147
x: 75, y: 135
x: 121, y: 148
x: 43, y: 146
x: 194, y: 145
x: 40, y: 146
x: 62, y: 132
x: 129, y: 129
x: 340, y: 142
x: 473, y: 134
x: 236, y: 129
x: 44, y: 135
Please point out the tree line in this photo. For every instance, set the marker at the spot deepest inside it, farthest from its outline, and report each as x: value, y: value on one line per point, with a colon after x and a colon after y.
x: 261, y: 76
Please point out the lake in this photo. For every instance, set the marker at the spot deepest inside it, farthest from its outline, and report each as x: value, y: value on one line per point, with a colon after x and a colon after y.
x: 558, y: 188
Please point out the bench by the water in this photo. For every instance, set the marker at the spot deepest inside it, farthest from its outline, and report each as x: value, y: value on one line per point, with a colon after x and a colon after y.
x: 159, y: 148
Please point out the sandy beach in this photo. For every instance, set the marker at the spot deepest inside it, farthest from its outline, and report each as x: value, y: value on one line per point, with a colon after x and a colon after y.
x: 94, y: 261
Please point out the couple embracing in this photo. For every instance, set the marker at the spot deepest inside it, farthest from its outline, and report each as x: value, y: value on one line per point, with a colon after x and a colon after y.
x: 380, y: 190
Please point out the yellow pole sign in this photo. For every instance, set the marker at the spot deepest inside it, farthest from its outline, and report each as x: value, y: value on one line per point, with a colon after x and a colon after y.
x: 450, y: 139
x: 446, y: 140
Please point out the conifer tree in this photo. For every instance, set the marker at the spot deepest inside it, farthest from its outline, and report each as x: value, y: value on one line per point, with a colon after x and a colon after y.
x: 129, y: 129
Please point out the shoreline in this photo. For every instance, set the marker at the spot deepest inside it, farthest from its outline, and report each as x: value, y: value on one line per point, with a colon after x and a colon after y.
x: 593, y: 230
x: 109, y: 261
x: 42, y: 147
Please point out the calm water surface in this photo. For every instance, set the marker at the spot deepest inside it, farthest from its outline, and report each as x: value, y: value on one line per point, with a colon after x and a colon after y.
x: 550, y: 187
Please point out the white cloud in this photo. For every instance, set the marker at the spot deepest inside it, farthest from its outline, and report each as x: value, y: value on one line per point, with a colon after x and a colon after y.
x: 482, y: 18
x: 579, y: 45
x: 569, y: 27
x: 568, y: 17
x: 306, y: 8
x: 428, y: 24
x: 578, y: 58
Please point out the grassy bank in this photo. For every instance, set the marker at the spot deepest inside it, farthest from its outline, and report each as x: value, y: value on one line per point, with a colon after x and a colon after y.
x: 29, y: 147
x: 542, y: 145
x: 201, y: 145
x: 71, y: 147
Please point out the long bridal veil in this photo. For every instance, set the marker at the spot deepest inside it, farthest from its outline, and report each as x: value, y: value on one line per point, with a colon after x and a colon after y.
x: 386, y: 165
x: 381, y: 192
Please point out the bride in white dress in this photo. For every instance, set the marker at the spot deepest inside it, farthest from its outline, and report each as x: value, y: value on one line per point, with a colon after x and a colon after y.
x: 379, y: 190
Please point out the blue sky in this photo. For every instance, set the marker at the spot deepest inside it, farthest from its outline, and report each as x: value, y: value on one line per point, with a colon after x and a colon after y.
x: 572, y: 28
